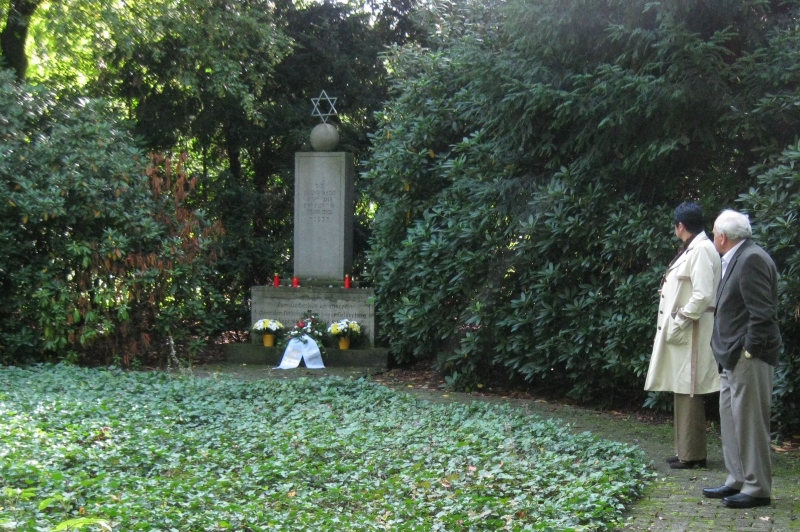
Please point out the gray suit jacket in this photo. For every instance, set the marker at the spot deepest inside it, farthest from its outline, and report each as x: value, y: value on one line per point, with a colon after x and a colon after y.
x: 746, y: 316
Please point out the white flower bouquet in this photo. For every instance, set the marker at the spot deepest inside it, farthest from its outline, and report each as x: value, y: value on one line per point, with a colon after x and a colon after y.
x: 309, y: 325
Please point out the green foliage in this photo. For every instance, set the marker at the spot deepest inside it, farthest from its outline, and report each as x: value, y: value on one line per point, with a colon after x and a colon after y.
x: 199, y: 77
x: 100, y: 256
x: 529, y: 160
x: 774, y: 207
x: 773, y: 202
x: 147, y: 452
x: 191, y: 63
x: 231, y: 82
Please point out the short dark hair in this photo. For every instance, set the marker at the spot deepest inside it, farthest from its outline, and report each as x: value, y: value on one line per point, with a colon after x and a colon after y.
x: 690, y: 215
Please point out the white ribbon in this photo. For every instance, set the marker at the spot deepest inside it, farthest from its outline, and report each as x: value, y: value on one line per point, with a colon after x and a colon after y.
x: 297, y: 350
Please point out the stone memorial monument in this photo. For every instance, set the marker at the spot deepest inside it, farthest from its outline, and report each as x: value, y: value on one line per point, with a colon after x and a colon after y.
x: 323, y: 203
x: 323, y: 253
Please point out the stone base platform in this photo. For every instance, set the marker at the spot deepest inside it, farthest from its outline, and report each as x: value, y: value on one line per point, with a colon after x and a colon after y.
x: 245, y: 353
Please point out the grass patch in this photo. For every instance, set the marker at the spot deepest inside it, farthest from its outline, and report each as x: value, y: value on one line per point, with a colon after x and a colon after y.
x: 149, y: 451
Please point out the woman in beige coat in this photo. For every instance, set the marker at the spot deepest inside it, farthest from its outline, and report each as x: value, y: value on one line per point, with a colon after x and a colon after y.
x: 682, y: 361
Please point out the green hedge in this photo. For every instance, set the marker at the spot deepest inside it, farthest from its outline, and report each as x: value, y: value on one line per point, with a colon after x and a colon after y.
x: 774, y: 207
x: 528, y: 164
x: 101, y: 260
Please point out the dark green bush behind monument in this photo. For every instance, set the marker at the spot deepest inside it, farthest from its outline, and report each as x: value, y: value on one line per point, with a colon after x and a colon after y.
x: 528, y: 164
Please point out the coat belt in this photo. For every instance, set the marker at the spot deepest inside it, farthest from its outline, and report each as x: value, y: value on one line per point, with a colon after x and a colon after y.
x: 695, y: 335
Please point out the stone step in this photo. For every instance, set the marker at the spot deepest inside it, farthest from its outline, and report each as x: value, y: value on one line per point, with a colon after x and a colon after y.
x: 253, y: 353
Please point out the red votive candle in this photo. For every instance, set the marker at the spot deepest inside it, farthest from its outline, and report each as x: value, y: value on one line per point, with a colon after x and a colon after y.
x: 276, y: 281
x: 347, y: 281
x: 295, y: 282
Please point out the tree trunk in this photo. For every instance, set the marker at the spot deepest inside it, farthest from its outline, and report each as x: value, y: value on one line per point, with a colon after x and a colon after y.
x: 15, y: 33
x: 234, y: 154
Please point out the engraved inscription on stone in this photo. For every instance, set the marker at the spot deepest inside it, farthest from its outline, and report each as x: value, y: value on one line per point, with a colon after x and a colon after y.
x: 323, y: 222
x: 317, y: 204
x: 287, y: 305
x: 288, y: 312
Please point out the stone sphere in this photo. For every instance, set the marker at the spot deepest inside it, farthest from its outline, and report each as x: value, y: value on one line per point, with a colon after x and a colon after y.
x: 324, y: 137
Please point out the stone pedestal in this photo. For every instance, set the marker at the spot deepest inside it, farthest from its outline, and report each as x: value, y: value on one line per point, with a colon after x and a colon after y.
x: 287, y: 305
x: 323, y: 215
x: 375, y: 359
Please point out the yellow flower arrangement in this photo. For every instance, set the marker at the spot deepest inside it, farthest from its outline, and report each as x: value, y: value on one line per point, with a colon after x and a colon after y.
x: 345, y: 329
x: 268, y: 326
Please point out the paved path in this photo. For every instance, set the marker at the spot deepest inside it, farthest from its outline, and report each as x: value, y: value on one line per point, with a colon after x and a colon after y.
x: 673, y: 502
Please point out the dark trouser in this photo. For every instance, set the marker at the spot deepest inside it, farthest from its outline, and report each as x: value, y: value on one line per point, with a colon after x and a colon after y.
x: 690, y: 427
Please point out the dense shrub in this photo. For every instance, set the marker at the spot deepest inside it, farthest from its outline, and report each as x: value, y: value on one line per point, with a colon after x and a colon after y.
x: 774, y: 206
x: 527, y: 165
x: 99, y: 256
x: 561, y: 287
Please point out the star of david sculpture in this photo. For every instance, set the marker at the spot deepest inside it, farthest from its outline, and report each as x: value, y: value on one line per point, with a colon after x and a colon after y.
x: 324, y: 136
x: 328, y: 105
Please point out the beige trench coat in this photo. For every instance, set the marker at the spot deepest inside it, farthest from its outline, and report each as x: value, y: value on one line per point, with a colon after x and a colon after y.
x: 687, y: 296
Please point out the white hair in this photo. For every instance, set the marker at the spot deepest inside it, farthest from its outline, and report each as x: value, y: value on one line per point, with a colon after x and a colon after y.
x: 734, y: 225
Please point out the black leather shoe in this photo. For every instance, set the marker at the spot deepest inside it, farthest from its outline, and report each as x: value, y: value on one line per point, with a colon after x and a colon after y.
x: 720, y: 492
x: 689, y: 464
x: 742, y: 500
x: 673, y: 459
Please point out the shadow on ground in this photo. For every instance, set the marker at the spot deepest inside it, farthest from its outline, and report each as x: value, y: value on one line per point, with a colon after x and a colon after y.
x: 673, y: 502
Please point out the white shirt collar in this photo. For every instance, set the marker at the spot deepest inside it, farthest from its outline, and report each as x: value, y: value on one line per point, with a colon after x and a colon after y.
x: 726, y: 258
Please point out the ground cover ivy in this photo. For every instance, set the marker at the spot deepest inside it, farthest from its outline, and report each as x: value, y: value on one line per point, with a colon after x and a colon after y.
x: 105, y: 449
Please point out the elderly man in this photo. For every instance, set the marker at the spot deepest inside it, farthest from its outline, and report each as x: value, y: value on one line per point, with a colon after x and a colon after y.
x: 746, y: 341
